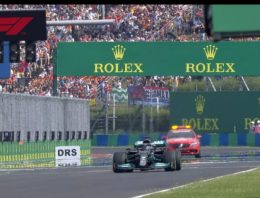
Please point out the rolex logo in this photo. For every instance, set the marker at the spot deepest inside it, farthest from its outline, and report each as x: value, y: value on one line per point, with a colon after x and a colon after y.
x: 210, y: 51
x: 200, y: 102
x: 118, y: 51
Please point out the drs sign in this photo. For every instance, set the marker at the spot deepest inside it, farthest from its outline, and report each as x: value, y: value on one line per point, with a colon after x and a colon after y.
x: 67, y: 156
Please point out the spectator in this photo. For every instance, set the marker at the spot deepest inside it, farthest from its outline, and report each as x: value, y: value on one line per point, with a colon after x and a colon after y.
x: 134, y: 22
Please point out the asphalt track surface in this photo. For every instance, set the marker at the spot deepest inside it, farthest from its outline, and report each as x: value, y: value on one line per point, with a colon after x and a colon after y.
x: 98, y: 181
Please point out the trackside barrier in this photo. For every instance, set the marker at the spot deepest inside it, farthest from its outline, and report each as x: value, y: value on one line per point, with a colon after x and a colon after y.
x: 39, y: 154
x: 208, y: 139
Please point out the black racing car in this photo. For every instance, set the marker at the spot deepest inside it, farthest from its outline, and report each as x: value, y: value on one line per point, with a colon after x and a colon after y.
x: 147, y: 155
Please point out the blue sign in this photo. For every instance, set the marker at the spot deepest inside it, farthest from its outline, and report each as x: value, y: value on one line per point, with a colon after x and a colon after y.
x: 5, y: 66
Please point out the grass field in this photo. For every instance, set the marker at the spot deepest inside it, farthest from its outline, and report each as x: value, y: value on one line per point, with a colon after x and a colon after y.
x: 243, y: 185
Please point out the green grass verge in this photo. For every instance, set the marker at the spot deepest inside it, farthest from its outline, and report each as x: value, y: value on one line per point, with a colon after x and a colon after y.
x: 244, y: 185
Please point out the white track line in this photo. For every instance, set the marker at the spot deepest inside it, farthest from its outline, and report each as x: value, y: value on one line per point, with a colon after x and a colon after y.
x: 206, y: 180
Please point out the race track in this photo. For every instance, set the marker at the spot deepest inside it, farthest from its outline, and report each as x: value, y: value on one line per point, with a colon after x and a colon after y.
x: 101, y: 182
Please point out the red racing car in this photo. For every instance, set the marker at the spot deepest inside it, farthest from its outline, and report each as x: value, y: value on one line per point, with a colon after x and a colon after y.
x: 184, y: 138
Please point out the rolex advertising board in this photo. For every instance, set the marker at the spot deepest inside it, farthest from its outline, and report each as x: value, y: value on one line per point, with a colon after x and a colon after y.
x: 158, y: 58
x: 215, y: 112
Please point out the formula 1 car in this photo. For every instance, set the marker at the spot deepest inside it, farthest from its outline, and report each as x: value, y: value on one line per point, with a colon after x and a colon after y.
x: 147, y: 155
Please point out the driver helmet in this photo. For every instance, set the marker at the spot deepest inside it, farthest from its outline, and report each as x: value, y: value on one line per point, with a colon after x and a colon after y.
x: 146, y: 141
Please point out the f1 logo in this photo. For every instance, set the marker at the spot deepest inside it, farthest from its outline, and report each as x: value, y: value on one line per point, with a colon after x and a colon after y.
x: 13, y: 25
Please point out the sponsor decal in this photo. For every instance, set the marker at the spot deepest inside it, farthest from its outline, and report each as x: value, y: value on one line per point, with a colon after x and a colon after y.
x: 118, y: 67
x: 208, y: 124
x: 20, y: 25
x: 199, y: 104
x: 210, y: 67
x: 12, y: 26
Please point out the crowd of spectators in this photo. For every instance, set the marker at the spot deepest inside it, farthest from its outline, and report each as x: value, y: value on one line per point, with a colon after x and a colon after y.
x: 132, y: 23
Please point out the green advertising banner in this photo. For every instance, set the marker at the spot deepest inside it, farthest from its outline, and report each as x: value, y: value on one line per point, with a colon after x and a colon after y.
x: 236, y: 18
x: 215, y: 112
x: 158, y: 58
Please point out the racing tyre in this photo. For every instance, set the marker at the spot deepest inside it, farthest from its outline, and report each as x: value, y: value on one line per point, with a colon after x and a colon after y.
x: 170, y: 157
x: 118, y: 159
x: 198, y: 155
x: 178, y: 160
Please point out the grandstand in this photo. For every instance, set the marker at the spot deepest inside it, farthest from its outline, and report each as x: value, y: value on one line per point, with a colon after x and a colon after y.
x: 176, y: 23
x: 133, y: 23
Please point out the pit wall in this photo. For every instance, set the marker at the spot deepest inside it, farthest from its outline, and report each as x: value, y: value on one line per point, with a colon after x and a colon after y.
x: 20, y: 114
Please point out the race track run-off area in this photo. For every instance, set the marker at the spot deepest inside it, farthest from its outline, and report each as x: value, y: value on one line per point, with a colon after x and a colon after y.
x: 99, y: 180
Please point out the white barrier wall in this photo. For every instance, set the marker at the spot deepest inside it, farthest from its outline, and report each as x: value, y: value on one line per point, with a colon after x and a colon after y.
x: 27, y: 113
